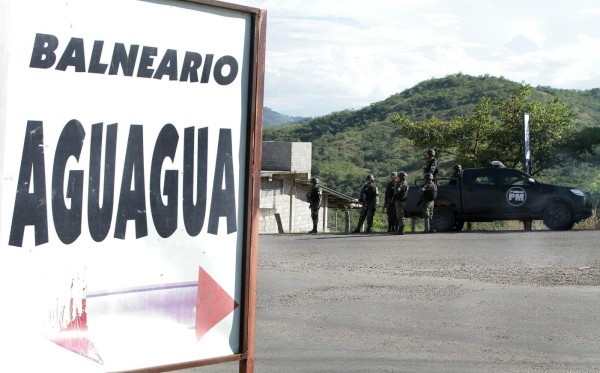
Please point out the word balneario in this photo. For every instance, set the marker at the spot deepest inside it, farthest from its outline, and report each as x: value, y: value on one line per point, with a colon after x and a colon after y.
x: 44, y: 56
x: 31, y: 203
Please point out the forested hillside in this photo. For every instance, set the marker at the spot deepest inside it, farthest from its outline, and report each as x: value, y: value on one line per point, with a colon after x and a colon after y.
x: 348, y: 145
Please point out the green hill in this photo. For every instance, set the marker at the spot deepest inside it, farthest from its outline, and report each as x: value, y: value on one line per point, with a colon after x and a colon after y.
x: 348, y: 145
x: 272, y: 118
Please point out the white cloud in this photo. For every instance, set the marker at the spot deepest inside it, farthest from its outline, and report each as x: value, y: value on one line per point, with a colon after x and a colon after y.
x: 325, y: 56
x: 595, y: 11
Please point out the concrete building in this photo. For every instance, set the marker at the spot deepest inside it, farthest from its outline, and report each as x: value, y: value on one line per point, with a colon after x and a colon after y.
x: 285, y: 174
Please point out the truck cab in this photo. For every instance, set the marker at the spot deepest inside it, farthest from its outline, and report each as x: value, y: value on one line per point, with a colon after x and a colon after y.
x: 499, y: 192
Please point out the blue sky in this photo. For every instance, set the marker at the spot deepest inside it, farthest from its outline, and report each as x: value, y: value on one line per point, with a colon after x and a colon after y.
x: 330, y: 55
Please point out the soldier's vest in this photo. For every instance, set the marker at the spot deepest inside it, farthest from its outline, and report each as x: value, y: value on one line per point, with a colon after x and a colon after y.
x: 370, y: 193
x: 429, y: 192
x: 401, y: 192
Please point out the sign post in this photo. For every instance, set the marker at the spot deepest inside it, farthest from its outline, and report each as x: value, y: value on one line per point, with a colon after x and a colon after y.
x: 130, y: 160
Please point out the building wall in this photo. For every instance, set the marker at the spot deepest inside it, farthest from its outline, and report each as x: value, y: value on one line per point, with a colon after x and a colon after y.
x: 286, y: 156
x: 274, y: 199
x: 281, y: 196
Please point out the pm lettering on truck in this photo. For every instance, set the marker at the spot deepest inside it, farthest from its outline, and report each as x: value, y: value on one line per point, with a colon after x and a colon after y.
x: 516, y: 196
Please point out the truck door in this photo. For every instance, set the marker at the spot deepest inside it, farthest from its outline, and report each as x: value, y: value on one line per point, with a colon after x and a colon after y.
x: 518, y: 195
x: 480, y: 191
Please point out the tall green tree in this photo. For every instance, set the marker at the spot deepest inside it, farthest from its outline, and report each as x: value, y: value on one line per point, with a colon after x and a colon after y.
x: 494, y: 131
x: 584, y: 142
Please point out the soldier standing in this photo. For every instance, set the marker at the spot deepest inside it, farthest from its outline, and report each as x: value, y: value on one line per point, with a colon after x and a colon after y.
x: 369, y: 197
x: 314, y: 196
x: 428, y: 194
x: 456, y: 174
x: 388, y: 205
x: 432, y: 166
x: 400, y: 194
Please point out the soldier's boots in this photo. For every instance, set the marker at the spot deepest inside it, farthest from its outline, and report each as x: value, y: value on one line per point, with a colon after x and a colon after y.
x: 314, y: 230
x: 427, y: 226
x: 368, y: 230
x: 360, y: 224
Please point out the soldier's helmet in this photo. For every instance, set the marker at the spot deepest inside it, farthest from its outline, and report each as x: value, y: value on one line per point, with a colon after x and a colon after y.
x: 428, y: 176
x: 402, y: 175
x: 431, y: 152
x: 457, y: 167
x: 370, y: 177
x: 314, y: 180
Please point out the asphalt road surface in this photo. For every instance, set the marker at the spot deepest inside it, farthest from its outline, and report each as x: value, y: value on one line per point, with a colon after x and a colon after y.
x: 444, y: 302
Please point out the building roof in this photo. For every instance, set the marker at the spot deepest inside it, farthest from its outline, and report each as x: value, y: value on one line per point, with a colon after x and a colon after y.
x: 335, y: 199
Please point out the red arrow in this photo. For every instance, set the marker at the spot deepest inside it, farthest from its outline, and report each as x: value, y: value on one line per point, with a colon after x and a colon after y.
x: 212, y: 305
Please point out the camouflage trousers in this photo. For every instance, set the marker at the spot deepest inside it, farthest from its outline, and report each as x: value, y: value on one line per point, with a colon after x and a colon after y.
x: 314, y: 215
x: 428, y: 215
x: 390, y: 211
x: 400, y: 206
x: 367, y: 212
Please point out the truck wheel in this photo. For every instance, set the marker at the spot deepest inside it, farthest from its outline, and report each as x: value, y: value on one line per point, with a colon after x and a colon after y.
x: 443, y: 219
x: 558, y: 216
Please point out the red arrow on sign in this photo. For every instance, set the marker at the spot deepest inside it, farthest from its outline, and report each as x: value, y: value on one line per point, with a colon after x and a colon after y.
x: 212, y: 305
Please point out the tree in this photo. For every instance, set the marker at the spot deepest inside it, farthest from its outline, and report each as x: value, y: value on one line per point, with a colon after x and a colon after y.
x: 584, y: 142
x: 494, y: 131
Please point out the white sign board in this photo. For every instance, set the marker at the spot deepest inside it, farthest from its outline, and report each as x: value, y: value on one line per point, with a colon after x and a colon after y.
x: 123, y: 128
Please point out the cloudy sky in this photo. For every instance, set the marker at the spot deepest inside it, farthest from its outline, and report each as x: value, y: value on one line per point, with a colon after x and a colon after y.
x: 331, y: 55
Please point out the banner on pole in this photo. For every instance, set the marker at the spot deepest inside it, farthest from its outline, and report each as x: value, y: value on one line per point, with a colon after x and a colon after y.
x: 526, y: 145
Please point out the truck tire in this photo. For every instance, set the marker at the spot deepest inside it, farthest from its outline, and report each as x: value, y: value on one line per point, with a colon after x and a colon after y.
x: 443, y: 219
x: 558, y: 216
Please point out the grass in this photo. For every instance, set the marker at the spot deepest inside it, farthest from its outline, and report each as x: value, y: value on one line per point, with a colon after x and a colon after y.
x: 380, y: 224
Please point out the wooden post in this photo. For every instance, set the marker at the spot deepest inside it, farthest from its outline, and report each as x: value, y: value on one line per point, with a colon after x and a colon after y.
x: 346, y: 221
x: 279, y: 224
x: 251, y: 260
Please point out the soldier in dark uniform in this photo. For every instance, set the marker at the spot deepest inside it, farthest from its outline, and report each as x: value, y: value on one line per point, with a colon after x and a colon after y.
x: 388, y: 205
x: 428, y: 194
x: 400, y: 194
x: 369, y: 197
x: 314, y: 196
x: 456, y: 174
x: 432, y: 166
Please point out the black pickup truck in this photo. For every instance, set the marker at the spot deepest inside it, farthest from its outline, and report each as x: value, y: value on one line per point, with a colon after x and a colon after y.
x: 489, y: 194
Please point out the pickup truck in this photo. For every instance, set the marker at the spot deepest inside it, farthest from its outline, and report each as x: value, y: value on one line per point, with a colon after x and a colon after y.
x: 495, y: 193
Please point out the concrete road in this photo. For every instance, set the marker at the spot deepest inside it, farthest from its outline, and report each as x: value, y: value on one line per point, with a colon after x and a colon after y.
x: 445, y: 302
